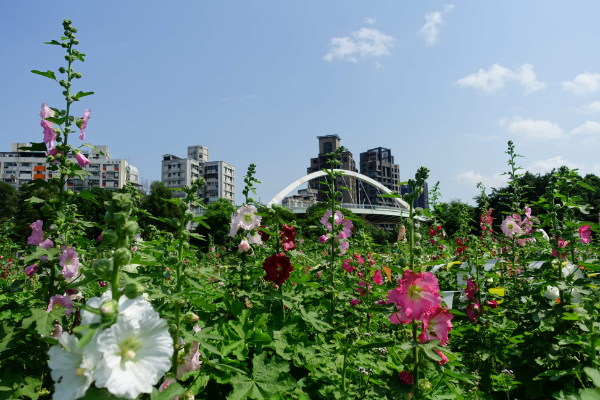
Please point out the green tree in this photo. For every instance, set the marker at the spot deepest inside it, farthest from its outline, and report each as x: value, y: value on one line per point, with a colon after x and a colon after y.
x: 9, y: 201
x: 450, y: 213
x: 156, y: 206
x: 218, y: 217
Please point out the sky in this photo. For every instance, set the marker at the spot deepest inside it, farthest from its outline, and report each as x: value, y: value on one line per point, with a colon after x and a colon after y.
x: 442, y: 84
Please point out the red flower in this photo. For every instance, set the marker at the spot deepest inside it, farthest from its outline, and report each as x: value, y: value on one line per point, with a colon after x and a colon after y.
x: 288, y: 238
x: 277, y: 268
x: 406, y: 377
x: 264, y: 236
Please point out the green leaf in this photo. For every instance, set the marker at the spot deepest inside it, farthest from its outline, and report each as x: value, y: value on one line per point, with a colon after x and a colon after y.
x: 197, y: 235
x: 175, y: 200
x: 174, y: 389
x: 34, y: 200
x: 82, y: 94
x: 389, y: 343
x: 463, y: 377
x: 57, y: 121
x: 267, y: 380
x: 588, y: 187
x: 53, y: 42
x: 200, y: 220
x: 312, y: 318
x: 594, y: 375
x: 44, y: 321
x: 87, y: 195
x: 94, y: 393
x: 144, y: 259
x: 47, y: 74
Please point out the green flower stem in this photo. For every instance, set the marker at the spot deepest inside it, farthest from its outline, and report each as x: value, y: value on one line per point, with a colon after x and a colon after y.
x: 411, y: 242
x: 344, y: 366
x: 177, y: 290
x: 416, y: 357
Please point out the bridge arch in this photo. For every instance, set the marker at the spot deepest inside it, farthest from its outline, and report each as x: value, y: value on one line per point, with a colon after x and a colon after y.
x: 279, y: 196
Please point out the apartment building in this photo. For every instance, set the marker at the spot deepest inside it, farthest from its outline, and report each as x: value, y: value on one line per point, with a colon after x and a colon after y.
x: 378, y: 164
x: 18, y: 167
x: 423, y: 200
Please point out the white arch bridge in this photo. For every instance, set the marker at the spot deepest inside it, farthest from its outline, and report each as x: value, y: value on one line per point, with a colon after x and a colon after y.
x: 374, y: 213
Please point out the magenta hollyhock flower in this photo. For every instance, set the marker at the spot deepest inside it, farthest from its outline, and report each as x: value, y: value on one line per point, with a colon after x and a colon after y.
x: 561, y: 243
x: 474, y: 311
x: 585, y: 233
x: 436, y: 325
x: 471, y: 289
x: 360, y: 259
x: 416, y: 294
x: 492, y: 304
x: 319, y: 274
x: 354, y: 302
x: 49, y: 133
x: 46, y: 244
x: 60, y: 301
x: 406, y: 378
x: 70, y: 263
x: 347, y: 266
x: 323, y: 238
x: 31, y: 270
x: 86, y: 116
x: 337, y: 219
x: 37, y: 235
x: 510, y: 227
x: 344, y: 247
x: 99, y: 238
x: 444, y: 358
x: 377, y: 278
x: 82, y: 159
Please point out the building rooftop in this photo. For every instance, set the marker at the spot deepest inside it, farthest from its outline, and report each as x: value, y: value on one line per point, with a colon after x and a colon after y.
x: 329, y: 136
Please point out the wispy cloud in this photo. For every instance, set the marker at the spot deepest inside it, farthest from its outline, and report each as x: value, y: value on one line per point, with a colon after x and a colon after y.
x: 431, y: 30
x: 370, y: 20
x: 473, y: 178
x: 532, y: 129
x: 583, y: 83
x: 366, y: 42
x: 591, y: 108
x: 496, y: 76
x: 587, y: 128
x: 378, y: 66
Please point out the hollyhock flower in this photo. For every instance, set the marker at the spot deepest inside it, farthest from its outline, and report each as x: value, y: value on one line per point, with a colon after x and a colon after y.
x: 136, y: 354
x: 326, y: 219
x: 165, y: 385
x: 377, y: 278
x: 37, y: 235
x: 31, y: 270
x: 572, y: 270
x: 49, y: 133
x: 346, y: 229
x: 471, y: 289
x: 71, y: 368
x: 436, y: 325
x: 323, y: 238
x: 360, y: 259
x: 243, y: 246
x: 528, y: 211
x: 70, y: 262
x: 277, y: 268
x: 510, y: 227
x: 58, y: 330
x: 82, y: 159
x: 406, y: 378
x: 190, y: 361
x: 552, y: 293
x: 585, y: 232
x: 354, y: 302
x: 402, y: 234
x: 263, y: 235
x: 247, y: 220
x: 343, y: 247
x: 254, y: 239
x: 492, y: 304
x: 99, y: 239
x: 561, y: 243
x: 319, y: 274
x: 474, y: 311
x: 416, y: 294
x: 197, y: 329
x: 288, y: 238
x: 46, y: 244
x: 347, y: 266
x: 58, y: 300
x: 444, y: 358
x: 86, y: 116
x: 46, y: 111
x: 137, y: 308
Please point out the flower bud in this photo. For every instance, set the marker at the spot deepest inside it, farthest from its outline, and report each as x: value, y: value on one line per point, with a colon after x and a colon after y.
x: 403, y: 262
x: 130, y: 228
x: 189, y: 395
x: 109, y: 218
x: 417, y: 236
x: 419, y: 211
x: 75, y: 41
x: 180, y: 302
x: 103, y: 268
x: 191, y: 317
x: 133, y: 290
x: 186, y: 246
x: 74, y: 30
x: 417, y: 250
x: 189, y: 273
x: 62, y: 70
x: 173, y: 260
x: 109, y: 236
x: 122, y: 256
x: 64, y: 46
x: 172, y: 329
x: 120, y: 217
x: 109, y: 310
x: 77, y: 75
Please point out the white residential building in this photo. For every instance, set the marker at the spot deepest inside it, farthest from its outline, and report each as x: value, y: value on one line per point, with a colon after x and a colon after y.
x: 18, y: 167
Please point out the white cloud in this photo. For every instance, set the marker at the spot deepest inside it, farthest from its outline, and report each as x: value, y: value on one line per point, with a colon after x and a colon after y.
x: 583, y: 83
x: 591, y: 108
x: 544, y: 166
x: 473, y: 178
x: 587, y: 128
x: 366, y: 42
x: 532, y: 129
x: 496, y: 76
x: 378, y: 66
x: 370, y: 20
x: 431, y: 30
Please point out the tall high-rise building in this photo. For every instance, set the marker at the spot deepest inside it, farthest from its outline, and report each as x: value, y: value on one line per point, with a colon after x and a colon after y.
x: 328, y: 144
x: 20, y: 166
x: 378, y: 164
x: 423, y: 200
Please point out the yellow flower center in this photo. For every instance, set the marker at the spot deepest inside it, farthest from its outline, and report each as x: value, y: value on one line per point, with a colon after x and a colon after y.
x: 79, y: 371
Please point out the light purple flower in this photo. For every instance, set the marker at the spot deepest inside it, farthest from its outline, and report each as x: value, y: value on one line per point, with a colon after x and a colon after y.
x: 49, y: 134
x: 197, y: 329
x: 344, y: 247
x: 70, y: 263
x: 31, y: 270
x: 60, y: 301
x: 82, y: 160
x: 510, y: 227
x: 191, y: 361
x: 323, y: 239
x: 337, y: 219
x: 37, y: 235
x: 46, y: 244
x: 86, y: 116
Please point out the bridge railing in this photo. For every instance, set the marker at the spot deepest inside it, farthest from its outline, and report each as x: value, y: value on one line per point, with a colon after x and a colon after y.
x: 303, y: 206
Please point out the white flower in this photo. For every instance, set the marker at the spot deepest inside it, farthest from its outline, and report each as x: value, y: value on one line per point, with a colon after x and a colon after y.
x: 254, y: 239
x: 137, y: 308
x: 136, y: 354
x: 577, y: 297
x: 573, y: 271
x: 246, y: 219
x: 552, y: 293
x: 72, y: 368
x: 146, y: 296
x: 131, y: 268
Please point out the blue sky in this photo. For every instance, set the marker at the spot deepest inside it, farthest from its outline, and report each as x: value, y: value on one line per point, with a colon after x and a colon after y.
x: 443, y: 84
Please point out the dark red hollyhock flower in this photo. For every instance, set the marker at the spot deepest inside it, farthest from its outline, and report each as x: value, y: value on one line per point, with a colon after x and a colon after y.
x: 264, y: 236
x: 288, y: 238
x: 277, y: 268
x: 406, y: 377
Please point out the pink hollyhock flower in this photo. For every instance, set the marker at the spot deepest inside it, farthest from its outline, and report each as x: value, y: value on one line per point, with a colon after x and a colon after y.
x: 46, y: 244
x: 561, y: 243
x: 444, y: 358
x: 288, y: 237
x: 46, y: 111
x: 360, y: 259
x: 416, y: 294
x: 371, y: 261
x: 347, y: 266
x: 86, y: 116
x: 60, y: 301
x: 70, y: 263
x: 436, y: 325
x: 190, y: 362
x: 323, y: 238
x: 37, y: 235
x: 585, y: 233
x: 377, y: 278
x: 197, y: 329
x: 346, y: 229
x: 471, y: 289
x: 165, y: 385
x: 82, y: 159
x: 474, y: 311
x: 528, y: 211
x: 343, y: 247
x: 57, y: 331
x: 492, y: 304
x: 510, y: 227
x: 337, y: 219
x: 406, y: 378
x: 99, y: 238
x: 244, y: 218
x: 380, y: 302
x: 49, y: 133
x: 31, y: 270
x: 354, y: 302
x: 243, y: 246
x: 319, y: 274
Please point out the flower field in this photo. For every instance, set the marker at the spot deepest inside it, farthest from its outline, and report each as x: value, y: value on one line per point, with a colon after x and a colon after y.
x: 262, y: 306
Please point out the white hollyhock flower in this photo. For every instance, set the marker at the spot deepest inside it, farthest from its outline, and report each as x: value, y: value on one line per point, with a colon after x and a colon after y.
x: 254, y: 239
x: 552, y: 293
x: 136, y: 354
x: 72, y: 368
x: 137, y: 308
x: 572, y: 270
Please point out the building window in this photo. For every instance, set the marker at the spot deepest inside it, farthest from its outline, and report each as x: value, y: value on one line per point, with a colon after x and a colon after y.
x: 345, y: 159
x: 327, y: 147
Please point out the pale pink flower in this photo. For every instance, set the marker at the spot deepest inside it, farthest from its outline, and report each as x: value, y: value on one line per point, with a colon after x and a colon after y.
x: 46, y: 244
x: 37, y: 235
x: 344, y: 247
x: 416, y: 294
x: 436, y: 325
x: 510, y: 227
x: 444, y: 358
x: 46, y: 111
x: 49, y: 133
x: 346, y: 229
x: 319, y: 274
x: 326, y: 219
x: 585, y: 233
x: 190, y: 362
x: 86, y: 116
x: 197, y: 329
x: 354, y: 302
x: 377, y: 278
x: 70, y: 263
x: 323, y: 238
x: 528, y: 211
x: 57, y: 331
x: 165, y: 385
x: 243, y: 246
x: 82, y: 159
x: 31, y: 270
x: 246, y: 218
x: 60, y: 301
